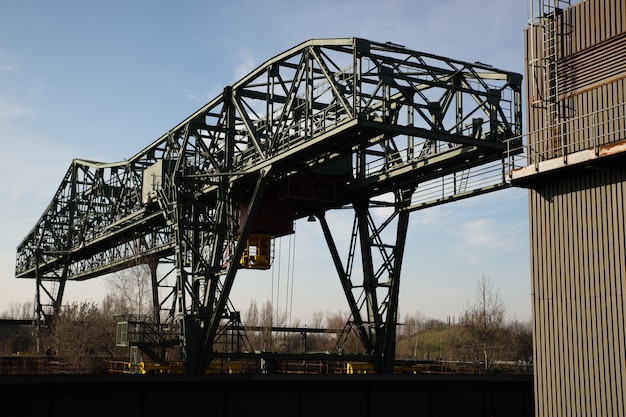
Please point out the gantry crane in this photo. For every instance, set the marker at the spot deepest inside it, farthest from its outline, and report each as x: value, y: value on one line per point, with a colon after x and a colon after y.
x: 328, y: 124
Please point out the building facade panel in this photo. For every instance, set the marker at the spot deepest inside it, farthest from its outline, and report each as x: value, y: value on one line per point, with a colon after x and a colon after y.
x: 577, y: 232
x: 576, y: 89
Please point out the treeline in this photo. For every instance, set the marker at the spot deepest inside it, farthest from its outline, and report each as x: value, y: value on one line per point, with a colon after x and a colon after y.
x: 83, y: 336
x: 483, y: 335
x: 432, y: 339
x: 17, y: 338
x: 80, y: 340
x: 483, y: 340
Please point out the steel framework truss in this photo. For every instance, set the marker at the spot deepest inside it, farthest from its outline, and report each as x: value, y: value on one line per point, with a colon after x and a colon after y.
x: 335, y: 123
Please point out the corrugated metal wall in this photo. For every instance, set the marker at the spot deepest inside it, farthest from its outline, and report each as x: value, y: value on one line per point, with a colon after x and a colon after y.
x: 577, y: 234
x: 578, y: 217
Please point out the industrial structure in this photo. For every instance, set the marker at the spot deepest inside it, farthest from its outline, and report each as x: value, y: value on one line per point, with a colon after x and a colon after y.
x: 354, y: 124
x: 350, y: 123
x: 576, y: 149
x: 330, y: 124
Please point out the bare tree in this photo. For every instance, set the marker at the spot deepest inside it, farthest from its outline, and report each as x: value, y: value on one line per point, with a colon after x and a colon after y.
x: 265, y: 318
x: 251, y: 318
x: 18, y: 338
x: 412, y: 324
x: 346, y: 339
x: 131, y: 290
x: 317, y: 320
x: 484, y: 321
x: 407, y: 335
x: 83, y: 336
x: 17, y: 310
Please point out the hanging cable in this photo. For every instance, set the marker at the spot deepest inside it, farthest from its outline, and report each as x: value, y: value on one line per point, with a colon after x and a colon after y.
x: 289, y: 283
x: 273, y: 274
x: 292, y: 259
x: 276, y: 306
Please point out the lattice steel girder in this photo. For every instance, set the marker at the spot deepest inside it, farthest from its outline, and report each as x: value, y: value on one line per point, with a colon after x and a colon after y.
x: 294, y: 106
x: 373, y: 302
x: 371, y: 118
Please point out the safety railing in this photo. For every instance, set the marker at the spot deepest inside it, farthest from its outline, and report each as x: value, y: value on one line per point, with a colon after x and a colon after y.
x: 585, y: 132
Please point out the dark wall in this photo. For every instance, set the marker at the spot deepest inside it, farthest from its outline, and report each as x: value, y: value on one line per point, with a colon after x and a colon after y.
x: 265, y: 395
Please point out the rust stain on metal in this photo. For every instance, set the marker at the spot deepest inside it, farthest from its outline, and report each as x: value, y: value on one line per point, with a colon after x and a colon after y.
x: 613, y: 148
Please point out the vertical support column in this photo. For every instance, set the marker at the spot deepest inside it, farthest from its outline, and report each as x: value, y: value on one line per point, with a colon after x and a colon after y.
x: 344, y: 278
x: 370, y: 283
x: 38, y: 311
x: 375, y: 314
x: 229, y: 279
x: 156, y: 304
x: 394, y: 292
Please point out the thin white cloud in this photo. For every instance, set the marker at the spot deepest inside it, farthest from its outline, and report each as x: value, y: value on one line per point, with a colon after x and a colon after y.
x: 478, y: 232
x: 13, y: 110
x: 383, y: 213
x: 8, y: 68
x: 429, y: 216
x: 483, y: 234
x: 206, y: 95
x: 246, y: 65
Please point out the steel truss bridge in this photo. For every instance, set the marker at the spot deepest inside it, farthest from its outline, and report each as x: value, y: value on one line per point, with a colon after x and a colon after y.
x: 329, y: 124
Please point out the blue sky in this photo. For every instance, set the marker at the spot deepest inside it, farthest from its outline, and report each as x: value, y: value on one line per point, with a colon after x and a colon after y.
x: 102, y: 80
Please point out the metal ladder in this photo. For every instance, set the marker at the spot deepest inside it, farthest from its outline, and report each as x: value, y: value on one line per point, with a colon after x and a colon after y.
x: 549, y: 35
